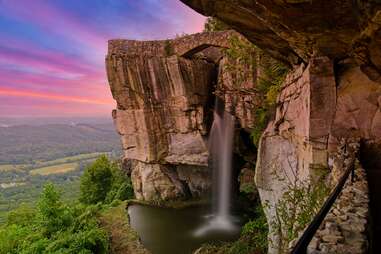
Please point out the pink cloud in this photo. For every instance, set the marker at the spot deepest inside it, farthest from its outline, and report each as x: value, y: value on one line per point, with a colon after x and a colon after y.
x: 51, y: 96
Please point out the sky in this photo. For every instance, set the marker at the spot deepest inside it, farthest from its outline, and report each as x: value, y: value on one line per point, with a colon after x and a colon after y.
x: 52, y: 51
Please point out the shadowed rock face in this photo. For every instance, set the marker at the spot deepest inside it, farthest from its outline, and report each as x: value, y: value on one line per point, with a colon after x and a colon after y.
x: 165, y: 93
x: 294, y: 30
x: 332, y: 93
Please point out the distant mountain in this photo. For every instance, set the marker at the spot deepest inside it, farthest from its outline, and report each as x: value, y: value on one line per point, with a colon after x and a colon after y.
x: 27, y: 143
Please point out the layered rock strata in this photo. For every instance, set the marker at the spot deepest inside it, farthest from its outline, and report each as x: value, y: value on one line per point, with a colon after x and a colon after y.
x: 164, y: 92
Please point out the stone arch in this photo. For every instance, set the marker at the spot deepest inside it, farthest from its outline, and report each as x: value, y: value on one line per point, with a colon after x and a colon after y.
x: 201, y: 47
x: 191, y: 44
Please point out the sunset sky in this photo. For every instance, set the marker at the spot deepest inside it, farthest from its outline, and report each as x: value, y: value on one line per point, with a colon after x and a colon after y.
x: 52, y: 51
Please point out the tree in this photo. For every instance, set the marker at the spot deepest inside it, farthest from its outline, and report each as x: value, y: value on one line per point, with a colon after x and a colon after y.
x: 121, y: 188
x: 52, y: 213
x: 22, y: 216
x: 96, y: 181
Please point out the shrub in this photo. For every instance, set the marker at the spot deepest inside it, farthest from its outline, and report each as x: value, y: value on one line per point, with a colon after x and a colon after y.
x: 300, y: 202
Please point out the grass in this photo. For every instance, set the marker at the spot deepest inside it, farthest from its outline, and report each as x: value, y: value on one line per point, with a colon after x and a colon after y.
x: 55, y: 169
x: 123, y: 239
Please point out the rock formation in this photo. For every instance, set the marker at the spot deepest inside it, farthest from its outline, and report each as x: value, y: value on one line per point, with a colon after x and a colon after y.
x: 164, y: 92
x: 295, y: 30
x: 333, y: 91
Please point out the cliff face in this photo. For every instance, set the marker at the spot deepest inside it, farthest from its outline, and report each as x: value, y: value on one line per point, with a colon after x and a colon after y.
x: 332, y: 93
x: 295, y: 30
x: 164, y: 92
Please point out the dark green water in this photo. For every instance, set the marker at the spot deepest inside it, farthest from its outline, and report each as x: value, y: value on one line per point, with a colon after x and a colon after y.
x: 174, y: 231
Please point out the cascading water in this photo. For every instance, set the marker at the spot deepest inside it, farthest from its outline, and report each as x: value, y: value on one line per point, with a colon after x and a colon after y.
x: 221, y: 144
x: 221, y: 150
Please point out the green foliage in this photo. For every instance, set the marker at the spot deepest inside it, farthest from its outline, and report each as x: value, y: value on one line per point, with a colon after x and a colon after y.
x: 28, y: 187
x: 253, y: 239
x: 213, y: 24
x: 96, y: 181
x: 271, y: 76
x: 57, y: 227
x: 54, y: 228
x: 242, y: 61
x: 11, y: 238
x: 21, y: 216
x: 255, y: 232
x: 121, y: 187
x: 301, y: 201
x: 248, y: 188
x: 246, y: 61
x: 52, y: 213
x: 103, y: 181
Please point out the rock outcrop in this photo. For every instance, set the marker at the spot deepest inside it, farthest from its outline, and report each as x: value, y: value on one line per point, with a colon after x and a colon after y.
x: 333, y: 91
x: 164, y: 92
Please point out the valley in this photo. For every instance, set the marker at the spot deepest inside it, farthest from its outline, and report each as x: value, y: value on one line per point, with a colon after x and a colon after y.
x: 32, y: 155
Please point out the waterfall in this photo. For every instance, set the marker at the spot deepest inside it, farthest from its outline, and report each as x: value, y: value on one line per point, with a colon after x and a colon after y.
x: 221, y: 145
x: 221, y: 150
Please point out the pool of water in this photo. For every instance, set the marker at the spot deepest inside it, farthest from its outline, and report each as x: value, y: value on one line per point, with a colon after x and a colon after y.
x: 178, y: 231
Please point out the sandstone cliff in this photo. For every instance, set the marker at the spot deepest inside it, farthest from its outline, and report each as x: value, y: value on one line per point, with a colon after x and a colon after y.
x: 165, y: 94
